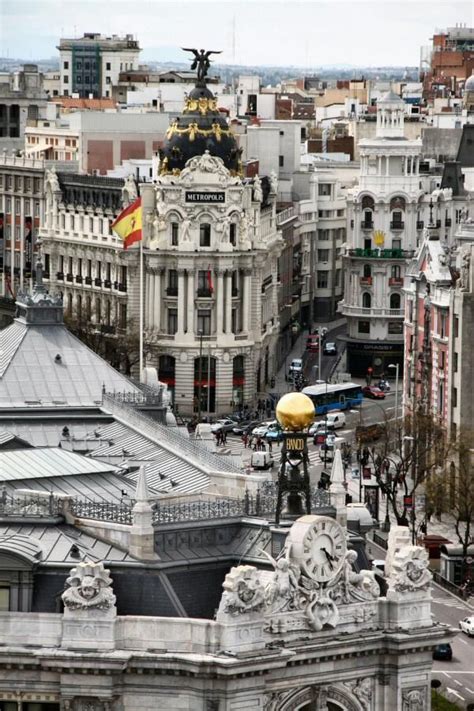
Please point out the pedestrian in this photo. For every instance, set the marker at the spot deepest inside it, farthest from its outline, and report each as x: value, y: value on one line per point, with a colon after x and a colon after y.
x: 245, y: 438
x: 224, y: 437
x: 250, y: 441
x: 270, y: 446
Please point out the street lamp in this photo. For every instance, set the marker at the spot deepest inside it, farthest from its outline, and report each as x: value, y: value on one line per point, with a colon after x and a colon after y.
x: 397, y: 367
x: 200, y: 334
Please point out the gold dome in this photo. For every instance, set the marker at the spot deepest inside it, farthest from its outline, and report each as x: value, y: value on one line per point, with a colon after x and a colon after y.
x: 295, y: 411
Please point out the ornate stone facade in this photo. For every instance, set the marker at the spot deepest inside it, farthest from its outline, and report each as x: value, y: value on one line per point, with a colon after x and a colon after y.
x: 211, y: 251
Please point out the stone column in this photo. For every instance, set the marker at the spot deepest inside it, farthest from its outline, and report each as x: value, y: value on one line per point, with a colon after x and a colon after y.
x: 157, y: 300
x: 379, y: 165
x: 246, y: 302
x: 190, y: 309
x: 180, y: 331
x: 220, y: 303
x: 148, y: 304
x: 150, y: 300
x: 228, y: 302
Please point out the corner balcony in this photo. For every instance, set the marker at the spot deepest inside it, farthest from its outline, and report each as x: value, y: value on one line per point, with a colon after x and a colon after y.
x: 380, y: 253
x: 361, y: 312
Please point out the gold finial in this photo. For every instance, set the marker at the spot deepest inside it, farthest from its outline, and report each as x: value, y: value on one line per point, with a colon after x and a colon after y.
x: 295, y: 411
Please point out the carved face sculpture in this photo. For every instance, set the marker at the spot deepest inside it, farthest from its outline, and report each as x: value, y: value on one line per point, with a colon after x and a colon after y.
x: 89, y: 588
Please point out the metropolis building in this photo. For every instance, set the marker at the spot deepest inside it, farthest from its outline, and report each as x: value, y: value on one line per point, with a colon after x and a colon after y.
x: 210, y: 246
x: 384, y: 219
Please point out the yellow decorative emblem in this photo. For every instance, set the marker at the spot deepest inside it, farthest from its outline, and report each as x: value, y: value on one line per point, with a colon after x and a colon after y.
x: 295, y: 411
x: 379, y: 238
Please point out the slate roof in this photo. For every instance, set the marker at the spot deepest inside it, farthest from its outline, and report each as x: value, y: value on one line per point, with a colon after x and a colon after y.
x: 30, y: 375
x: 39, y: 463
x: 166, y: 470
x: 53, y: 542
x: 43, y: 433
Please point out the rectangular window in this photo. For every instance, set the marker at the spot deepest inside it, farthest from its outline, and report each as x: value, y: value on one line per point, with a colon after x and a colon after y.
x: 442, y: 325
x: 281, y: 161
x: 455, y: 397
x: 37, y: 185
x: 107, y: 80
x: 324, y: 189
x: 4, y: 598
x: 455, y: 362
x: 204, y: 322
x: 108, y: 66
x: 233, y: 234
x: 91, y: 224
x: 363, y: 326
x: 396, y: 244
x: 172, y: 282
x: 123, y: 316
x: 66, y: 65
x: 66, y: 81
x: 456, y: 325
x: 205, y: 234
x: 172, y: 321
x: 89, y: 268
x: 323, y: 255
x: 441, y: 360
x: 323, y: 278
x: 17, y: 207
x: 174, y: 234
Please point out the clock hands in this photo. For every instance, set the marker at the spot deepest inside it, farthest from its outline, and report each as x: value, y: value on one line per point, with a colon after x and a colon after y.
x: 329, y: 557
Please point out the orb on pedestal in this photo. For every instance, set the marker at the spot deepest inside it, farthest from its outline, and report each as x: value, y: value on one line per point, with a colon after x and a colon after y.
x: 295, y: 411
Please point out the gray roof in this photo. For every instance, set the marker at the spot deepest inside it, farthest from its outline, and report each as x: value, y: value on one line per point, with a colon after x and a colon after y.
x: 19, y: 464
x: 166, y: 469
x: 107, y: 487
x: 390, y: 96
x: 43, y: 433
x: 31, y: 376
x: 52, y: 544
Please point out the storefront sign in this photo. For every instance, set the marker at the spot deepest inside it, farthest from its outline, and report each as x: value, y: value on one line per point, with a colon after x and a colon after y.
x: 206, y: 198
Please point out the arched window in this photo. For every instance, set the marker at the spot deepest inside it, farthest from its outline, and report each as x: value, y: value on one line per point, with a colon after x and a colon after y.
x: 204, y: 234
x: 366, y: 300
x: 166, y: 373
x: 238, y: 380
x: 174, y: 229
x: 367, y: 270
x: 205, y: 384
x: 395, y: 301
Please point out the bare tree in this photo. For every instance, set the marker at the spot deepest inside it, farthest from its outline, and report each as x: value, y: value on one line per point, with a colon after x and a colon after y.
x: 401, y: 463
x: 451, y: 491
x: 118, y: 345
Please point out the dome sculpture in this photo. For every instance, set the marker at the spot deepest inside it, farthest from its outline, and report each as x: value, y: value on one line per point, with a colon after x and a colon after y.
x: 199, y: 128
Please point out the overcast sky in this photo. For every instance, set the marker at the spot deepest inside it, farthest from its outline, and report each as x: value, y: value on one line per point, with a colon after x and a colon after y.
x: 304, y: 33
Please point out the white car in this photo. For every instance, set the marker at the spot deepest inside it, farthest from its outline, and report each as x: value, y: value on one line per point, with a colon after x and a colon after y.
x: 261, y: 430
x: 296, y: 366
x: 467, y: 626
x: 226, y: 425
x: 333, y: 421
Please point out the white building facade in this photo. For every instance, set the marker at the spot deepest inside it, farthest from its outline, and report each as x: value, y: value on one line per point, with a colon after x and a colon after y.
x: 383, y: 211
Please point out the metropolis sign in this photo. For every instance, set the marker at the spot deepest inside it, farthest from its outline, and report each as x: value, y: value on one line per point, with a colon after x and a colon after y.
x: 208, y: 198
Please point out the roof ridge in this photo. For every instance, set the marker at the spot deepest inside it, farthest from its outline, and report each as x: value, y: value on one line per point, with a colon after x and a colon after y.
x: 17, y: 330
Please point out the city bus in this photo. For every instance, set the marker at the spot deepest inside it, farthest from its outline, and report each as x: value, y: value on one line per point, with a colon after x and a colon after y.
x: 334, y: 396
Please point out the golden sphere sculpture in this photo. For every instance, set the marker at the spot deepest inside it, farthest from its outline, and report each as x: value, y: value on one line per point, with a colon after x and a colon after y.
x: 295, y: 411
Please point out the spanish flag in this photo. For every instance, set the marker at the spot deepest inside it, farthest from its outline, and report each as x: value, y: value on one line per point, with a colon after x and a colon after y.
x: 128, y: 224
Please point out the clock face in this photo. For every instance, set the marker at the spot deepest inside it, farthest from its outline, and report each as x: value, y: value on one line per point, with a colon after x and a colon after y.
x: 323, y: 549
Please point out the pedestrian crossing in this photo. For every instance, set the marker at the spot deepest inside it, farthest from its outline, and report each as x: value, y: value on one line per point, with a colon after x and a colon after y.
x: 449, y: 602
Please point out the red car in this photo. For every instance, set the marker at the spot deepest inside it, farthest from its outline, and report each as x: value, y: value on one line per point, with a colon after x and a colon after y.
x: 373, y: 392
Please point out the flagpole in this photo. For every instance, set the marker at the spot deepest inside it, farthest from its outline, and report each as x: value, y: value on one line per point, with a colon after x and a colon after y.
x: 141, y: 313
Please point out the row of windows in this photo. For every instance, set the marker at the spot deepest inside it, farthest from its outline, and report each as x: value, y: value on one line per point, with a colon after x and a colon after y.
x: 28, y: 206
x: 80, y: 223
x: 83, y: 268
x: 204, y: 234
x: 20, y: 183
x: 97, y: 312
x: 394, y: 328
x: 395, y: 271
x: 203, y: 322
x: 395, y: 300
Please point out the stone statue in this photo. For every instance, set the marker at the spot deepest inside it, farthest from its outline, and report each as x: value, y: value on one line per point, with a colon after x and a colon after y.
x: 243, y: 591
x: 465, y: 268
x: 89, y: 588
x: 409, y: 571
x: 414, y: 700
x: 362, y: 690
x: 53, y: 181
x: 257, y: 189
x: 284, y: 584
x: 201, y: 61
x: 357, y: 584
x: 244, y: 242
x: 273, y: 183
x: 205, y: 164
x: 186, y: 230
x: 129, y: 190
x: 223, y: 226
